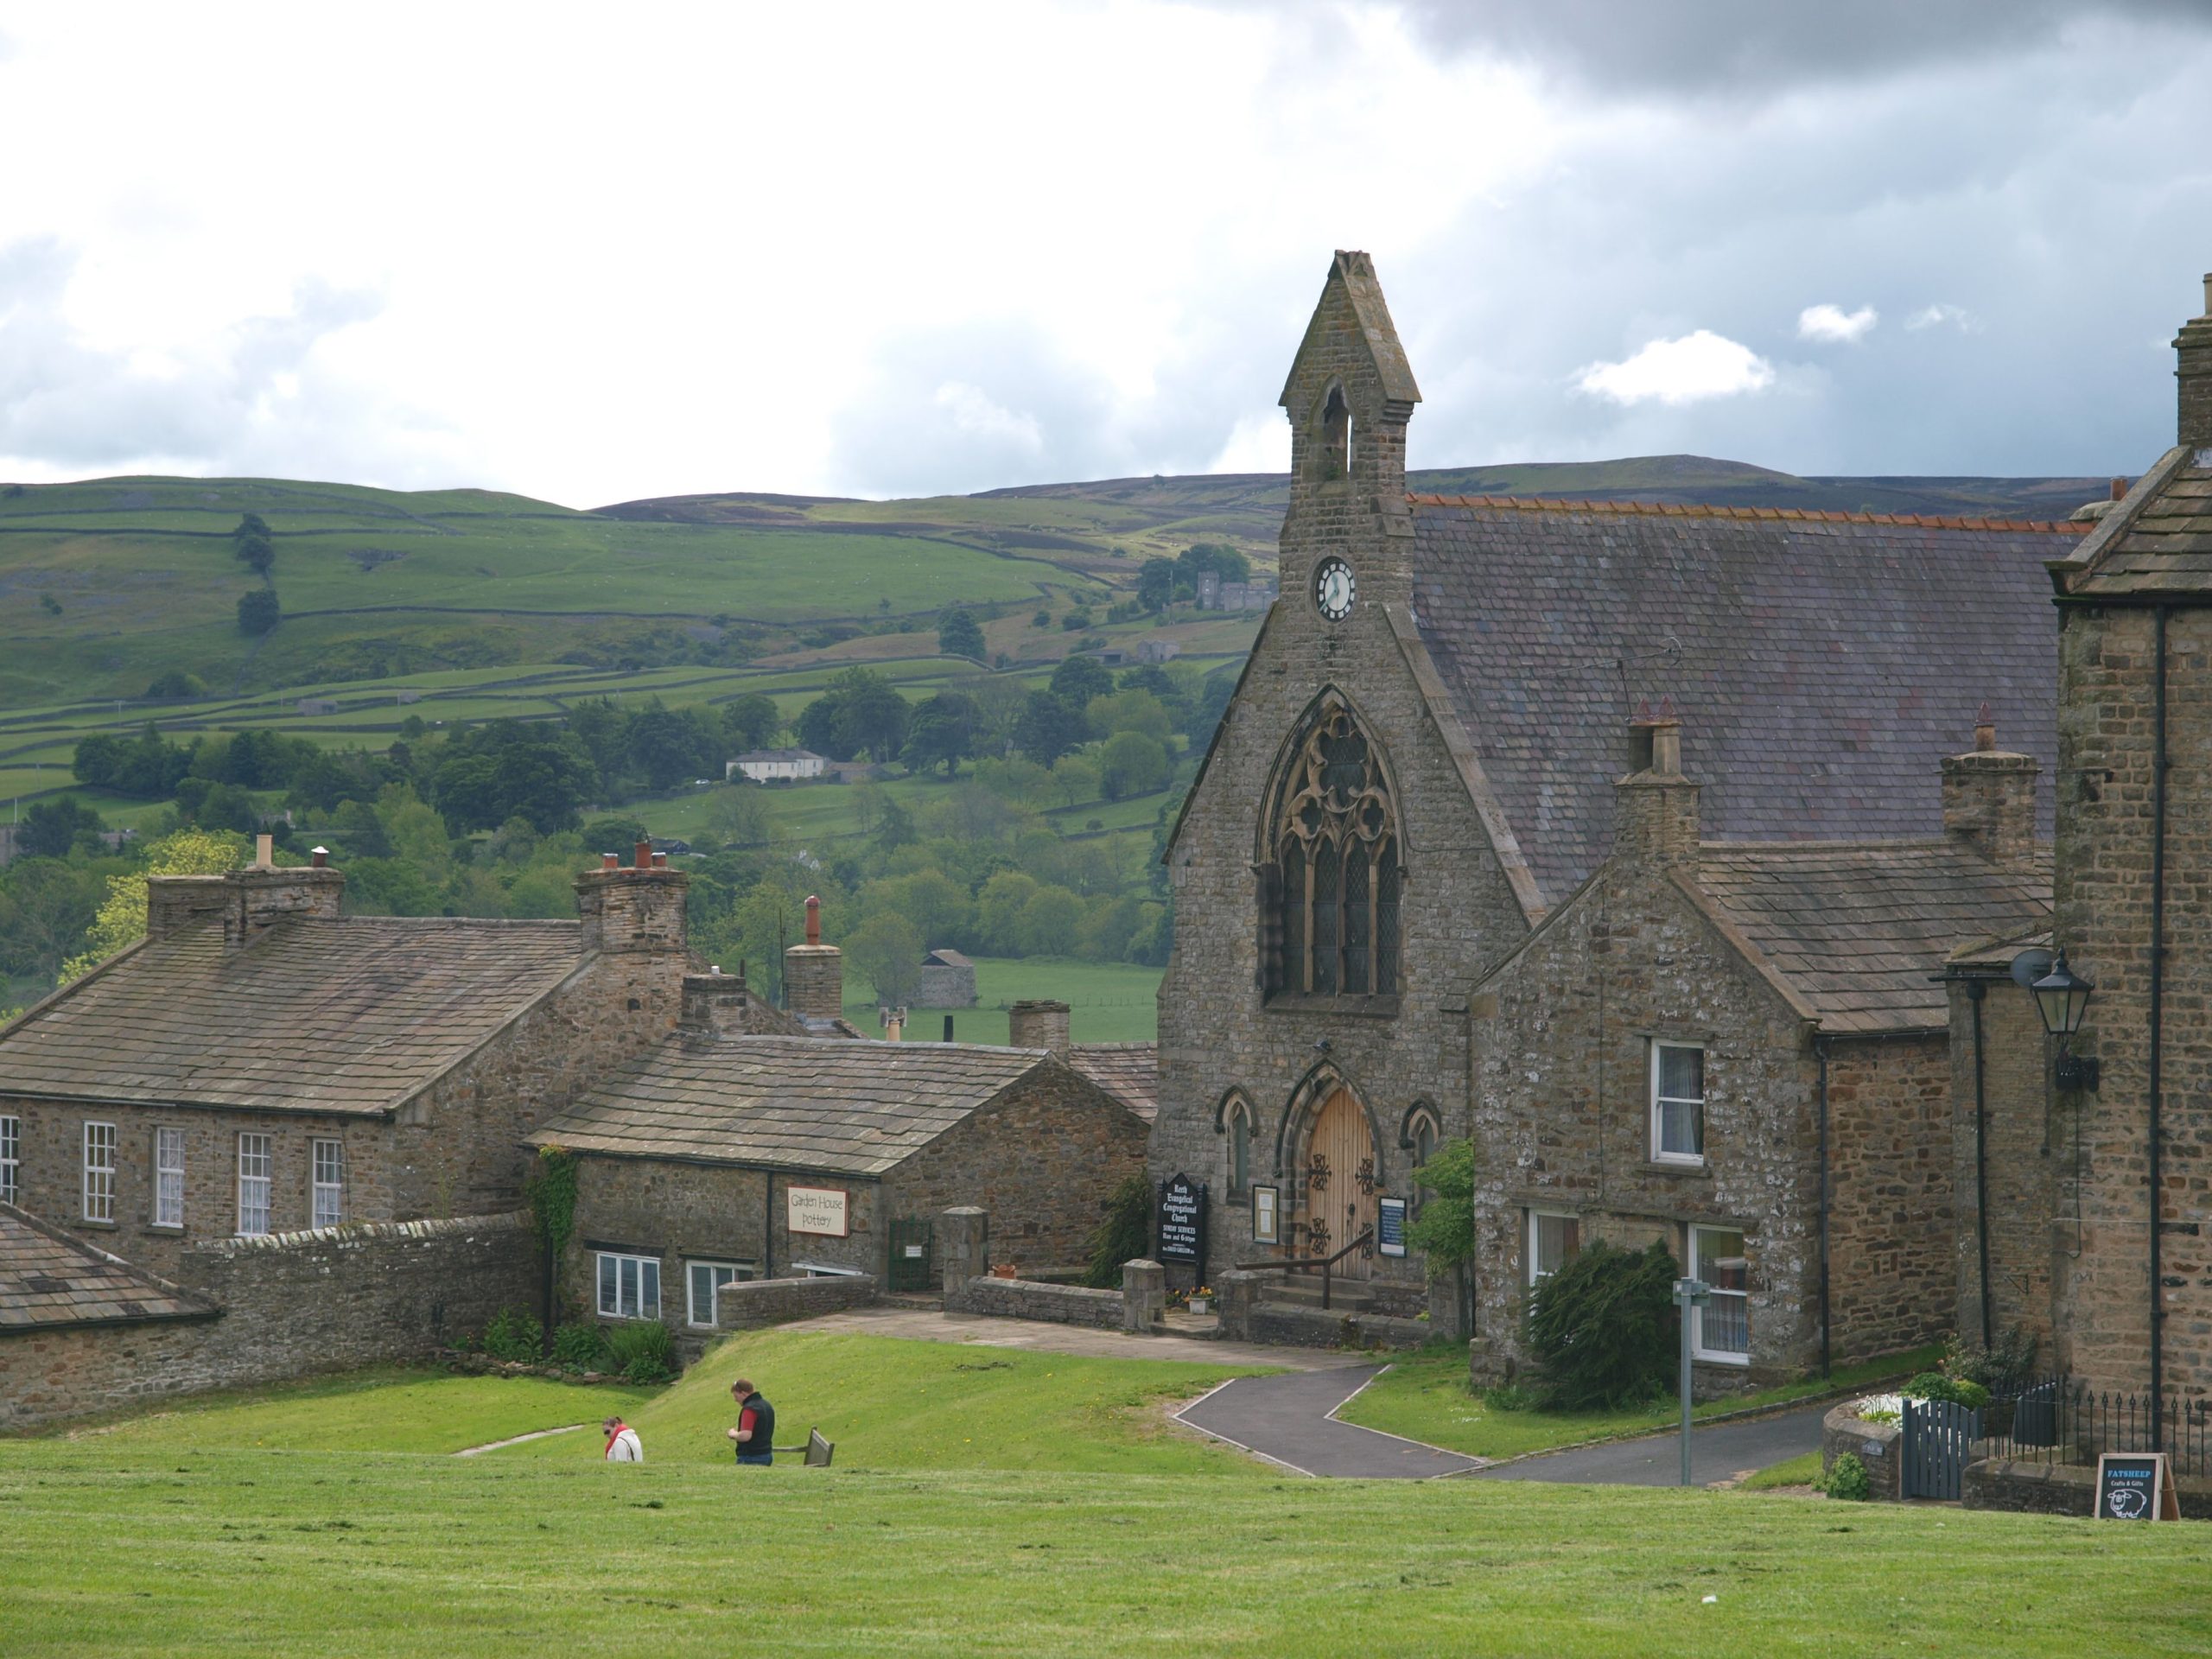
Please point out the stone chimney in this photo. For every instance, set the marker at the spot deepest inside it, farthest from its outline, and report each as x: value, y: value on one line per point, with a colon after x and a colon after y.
x: 1655, y: 807
x: 246, y: 903
x: 2193, y: 369
x: 814, y: 973
x: 716, y: 1005
x: 1989, y: 796
x: 634, y: 910
x: 1038, y: 1025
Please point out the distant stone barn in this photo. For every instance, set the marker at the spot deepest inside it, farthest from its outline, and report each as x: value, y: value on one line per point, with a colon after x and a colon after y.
x: 1418, y: 769
x: 947, y: 981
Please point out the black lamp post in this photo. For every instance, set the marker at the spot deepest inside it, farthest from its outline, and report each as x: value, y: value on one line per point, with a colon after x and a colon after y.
x: 2062, y: 998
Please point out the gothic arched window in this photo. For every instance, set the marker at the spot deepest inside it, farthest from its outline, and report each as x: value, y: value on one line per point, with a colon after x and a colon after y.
x: 1336, y: 435
x: 1422, y: 1136
x: 1240, y: 1149
x: 1333, y: 874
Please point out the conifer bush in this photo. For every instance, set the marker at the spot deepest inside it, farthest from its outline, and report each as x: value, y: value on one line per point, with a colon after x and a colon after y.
x: 1124, y: 1236
x: 1603, y: 1328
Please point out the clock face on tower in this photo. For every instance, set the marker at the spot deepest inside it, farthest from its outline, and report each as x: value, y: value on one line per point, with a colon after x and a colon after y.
x: 1332, y: 589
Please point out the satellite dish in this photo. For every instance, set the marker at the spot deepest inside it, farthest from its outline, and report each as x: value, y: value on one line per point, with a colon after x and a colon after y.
x: 2030, y: 966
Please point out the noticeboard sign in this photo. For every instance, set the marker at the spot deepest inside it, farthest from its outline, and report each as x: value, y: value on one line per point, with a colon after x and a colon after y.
x: 1391, y: 1226
x: 1267, y: 1215
x: 822, y: 1211
x: 1182, y: 1225
x: 2133, y: 1487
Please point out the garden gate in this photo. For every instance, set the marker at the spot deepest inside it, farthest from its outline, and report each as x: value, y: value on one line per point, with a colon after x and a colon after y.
x: 910, y: 1243
x: 1934, y: 1446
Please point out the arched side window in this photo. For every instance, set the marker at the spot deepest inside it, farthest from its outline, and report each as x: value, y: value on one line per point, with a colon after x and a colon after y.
x: 1336, y: 435
x: 1422, y: 1133
x: 1235, y: 1119
x: 1333, y: 874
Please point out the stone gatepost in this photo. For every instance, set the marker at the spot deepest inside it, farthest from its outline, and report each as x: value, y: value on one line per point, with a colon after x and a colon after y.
x: 1238, y: 1292
x: 963, y: 1233
x: 1144, y: 1297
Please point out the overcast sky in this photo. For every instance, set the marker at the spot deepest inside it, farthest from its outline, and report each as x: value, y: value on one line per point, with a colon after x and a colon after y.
x: 597, y: 253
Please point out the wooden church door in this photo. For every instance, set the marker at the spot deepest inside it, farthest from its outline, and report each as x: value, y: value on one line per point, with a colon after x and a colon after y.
x: 1340, y: 1184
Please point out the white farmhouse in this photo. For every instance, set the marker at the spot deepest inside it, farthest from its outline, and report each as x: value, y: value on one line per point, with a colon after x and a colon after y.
x: 776, y: 766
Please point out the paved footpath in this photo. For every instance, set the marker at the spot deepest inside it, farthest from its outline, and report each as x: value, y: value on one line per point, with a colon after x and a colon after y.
x: 1724, y: 1452
x: 1285, y: 1419
x: 933, y: 1325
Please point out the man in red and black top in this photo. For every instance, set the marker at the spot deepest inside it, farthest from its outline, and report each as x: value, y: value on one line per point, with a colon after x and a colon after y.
x: 755, y: 1432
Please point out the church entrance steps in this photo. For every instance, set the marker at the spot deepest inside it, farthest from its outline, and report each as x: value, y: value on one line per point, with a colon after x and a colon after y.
x: 1305, y: 1291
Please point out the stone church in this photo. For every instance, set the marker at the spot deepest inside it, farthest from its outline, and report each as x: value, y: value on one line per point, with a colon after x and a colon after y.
x: 1419, y: 767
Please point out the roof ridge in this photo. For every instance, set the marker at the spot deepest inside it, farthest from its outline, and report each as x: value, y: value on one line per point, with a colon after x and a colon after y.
x: 1806, y: 515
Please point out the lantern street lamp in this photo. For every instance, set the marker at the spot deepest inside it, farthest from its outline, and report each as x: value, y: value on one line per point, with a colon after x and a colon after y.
x: 2062, y: 998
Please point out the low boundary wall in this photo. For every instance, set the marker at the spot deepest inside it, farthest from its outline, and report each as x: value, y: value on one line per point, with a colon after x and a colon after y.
x: 1030, y: 1299
x: 755, y: 1303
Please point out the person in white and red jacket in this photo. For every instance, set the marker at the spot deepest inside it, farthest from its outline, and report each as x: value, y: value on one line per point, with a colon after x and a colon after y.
x: 622, y: 1445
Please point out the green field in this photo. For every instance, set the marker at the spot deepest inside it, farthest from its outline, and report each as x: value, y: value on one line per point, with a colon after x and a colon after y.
x: 1108, y: 1002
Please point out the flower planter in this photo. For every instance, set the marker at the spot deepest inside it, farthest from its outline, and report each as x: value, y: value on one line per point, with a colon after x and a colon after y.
x: 1200, y: 1304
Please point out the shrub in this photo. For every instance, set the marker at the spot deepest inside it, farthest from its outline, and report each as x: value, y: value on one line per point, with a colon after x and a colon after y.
x: 513, y: 1335
x: 1125, y: 1235
x: 579, y: 1344
x: 1603, y: 1327
x: 1848, y: 1480
x: 643, y: 1351
x: 1509, y: 1396
x: 1934, y: 1385
x: 2003, y: 1368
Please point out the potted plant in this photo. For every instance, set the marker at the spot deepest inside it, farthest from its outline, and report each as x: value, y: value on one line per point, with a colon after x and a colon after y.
x: 1201, y: 1300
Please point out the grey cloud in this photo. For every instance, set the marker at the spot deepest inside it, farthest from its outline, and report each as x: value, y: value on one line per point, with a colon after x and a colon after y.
x: 1766, y: 45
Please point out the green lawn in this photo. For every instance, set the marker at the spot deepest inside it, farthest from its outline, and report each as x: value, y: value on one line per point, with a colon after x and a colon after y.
x: 106, y: 1551
x: 1797, y: 1472
x: 897, y: 1405
x: 1425, y: 1397
x: 1108, y: 1002
x: 384, y: 1409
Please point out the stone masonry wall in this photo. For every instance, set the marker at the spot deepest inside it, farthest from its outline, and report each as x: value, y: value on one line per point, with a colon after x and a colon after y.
x: 1025, y: 1298
x: 2023, y: 1163
x: 1893, y: 1276
x: 1457, y: 912
x: 1043, y: 1158
x: 1562, y: 1057
x: 292, y: 1303
x: 2107, y: 681
x: 752, y: 1304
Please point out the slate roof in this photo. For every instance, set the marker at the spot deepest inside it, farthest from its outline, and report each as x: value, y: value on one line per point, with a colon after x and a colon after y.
x: 348, y: 1015
x: 50, y: 1279
x: 2158, y: 539
x: 1128, y: 1071
x: 852, y: 1109
x: 1822, y: 663
x: 1859, y: 932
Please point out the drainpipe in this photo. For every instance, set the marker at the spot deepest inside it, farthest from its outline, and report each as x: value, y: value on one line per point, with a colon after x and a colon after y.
x: 1975, y: 991
x: 2158, y: 998
x: 1821, y: 1049
x: 768, y: 1223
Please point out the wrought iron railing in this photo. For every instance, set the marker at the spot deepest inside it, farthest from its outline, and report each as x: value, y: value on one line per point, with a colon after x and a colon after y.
x: 2061, y: 1420
x: 1325, y: 1263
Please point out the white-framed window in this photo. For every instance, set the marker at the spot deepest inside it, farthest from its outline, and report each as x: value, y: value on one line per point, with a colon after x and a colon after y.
x: 1555, y: 1240
x: 629, y: 1286
x: 256, y: 1160
x: 169, y: 1177
x: 1677, y: 1103
x: 100, y: 1172
x: 1721, y: 1329
x: 701, y: 1281
x: 11, y: 1157
x: 329, y: 1193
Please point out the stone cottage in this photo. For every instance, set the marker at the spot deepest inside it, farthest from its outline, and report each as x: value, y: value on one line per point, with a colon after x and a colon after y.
x: 2095, y: 1229
x: 717, y: 1158
x: 261, y: 1064
x: 1741, y: 1050
x: 1419, y: 761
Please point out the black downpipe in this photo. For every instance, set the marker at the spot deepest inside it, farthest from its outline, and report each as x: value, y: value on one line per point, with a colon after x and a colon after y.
x: 768, y: 1223
x: 2158, y: 1000
x: 1820, y: 1048
x: 1975, y: 991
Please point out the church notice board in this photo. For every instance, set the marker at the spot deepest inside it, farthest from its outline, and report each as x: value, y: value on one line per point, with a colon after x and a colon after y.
x: 1182, y: 1220
x: 1391, y: 1226
x: 2135, y: 1486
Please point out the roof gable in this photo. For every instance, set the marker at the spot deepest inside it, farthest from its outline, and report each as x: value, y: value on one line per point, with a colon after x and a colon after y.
x: 2157, y: 540
x: 50, y: 1279
x: 1825, y: 662
x: 315, y: 1015
x: 1351, y: 300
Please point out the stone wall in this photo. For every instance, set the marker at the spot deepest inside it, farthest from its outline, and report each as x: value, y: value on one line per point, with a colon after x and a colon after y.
x: 2102, y: 1280
x: 751, y: 1305
x: 1026, y: 1298
x: 1042, y: 1157
x: 1877, y: 1445
x: 1892, y: 1274
x: 1562, y: 1068
x: 1459, y: 911
x: 2023, y: 1161
x: 2026, y: 1487
x: 292, y: 1303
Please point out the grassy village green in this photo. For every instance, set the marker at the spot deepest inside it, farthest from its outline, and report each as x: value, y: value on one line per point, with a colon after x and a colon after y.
x: 1425, y: 1397
x: 253, y: 1552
